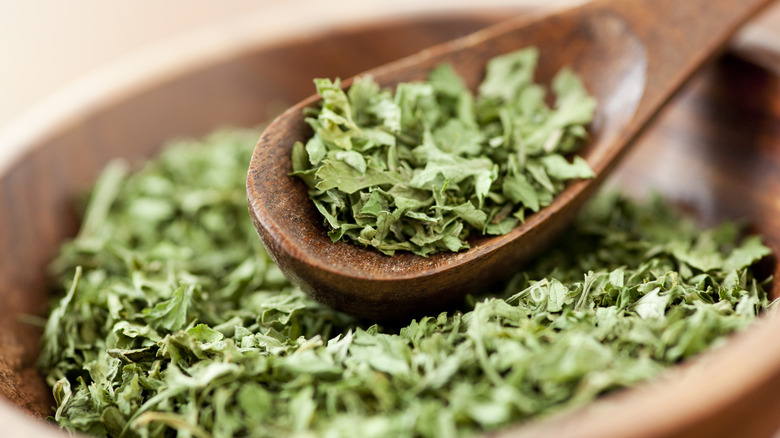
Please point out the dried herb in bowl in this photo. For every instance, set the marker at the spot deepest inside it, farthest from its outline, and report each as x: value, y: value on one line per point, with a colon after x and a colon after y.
x: 174, y: 321
x: 423, y: 168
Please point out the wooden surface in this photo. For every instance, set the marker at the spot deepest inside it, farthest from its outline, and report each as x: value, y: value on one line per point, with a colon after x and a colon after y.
x: 715, y: 149
x: 632, y: 56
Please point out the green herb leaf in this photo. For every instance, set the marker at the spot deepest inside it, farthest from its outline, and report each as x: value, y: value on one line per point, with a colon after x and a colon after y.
x: 500, y: 152
x: 184, y: 326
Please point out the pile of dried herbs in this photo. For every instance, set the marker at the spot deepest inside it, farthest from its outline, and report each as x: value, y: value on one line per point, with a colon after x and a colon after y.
x: 421, y: 169
x: 175, y: 321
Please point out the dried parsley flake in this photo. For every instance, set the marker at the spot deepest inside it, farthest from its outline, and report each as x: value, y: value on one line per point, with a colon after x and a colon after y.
x: 176, y: 322
x: 423, y: 168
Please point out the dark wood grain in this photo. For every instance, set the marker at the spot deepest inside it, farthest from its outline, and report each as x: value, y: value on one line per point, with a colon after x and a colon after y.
x: 633, y: 55
x: 716, y: 148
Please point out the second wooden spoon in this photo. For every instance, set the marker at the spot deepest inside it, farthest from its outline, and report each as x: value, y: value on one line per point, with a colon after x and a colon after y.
x: 633, y: 55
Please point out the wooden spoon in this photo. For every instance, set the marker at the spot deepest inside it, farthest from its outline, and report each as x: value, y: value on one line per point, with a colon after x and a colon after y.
x: 633, y: 55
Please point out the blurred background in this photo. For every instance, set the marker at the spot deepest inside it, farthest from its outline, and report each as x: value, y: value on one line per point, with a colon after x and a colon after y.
x: 51, y: 45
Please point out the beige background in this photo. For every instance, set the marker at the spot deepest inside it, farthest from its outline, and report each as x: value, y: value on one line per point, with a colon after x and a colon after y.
x: 48, y: 45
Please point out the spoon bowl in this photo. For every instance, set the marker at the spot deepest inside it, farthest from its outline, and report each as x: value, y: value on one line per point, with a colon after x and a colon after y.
x: 632, y: 55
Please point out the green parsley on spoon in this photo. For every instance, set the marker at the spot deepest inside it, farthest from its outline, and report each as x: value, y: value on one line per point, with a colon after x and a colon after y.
x: 632, y: 56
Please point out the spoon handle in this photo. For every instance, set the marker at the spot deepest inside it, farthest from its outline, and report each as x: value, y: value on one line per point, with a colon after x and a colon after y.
x: 679, y: 36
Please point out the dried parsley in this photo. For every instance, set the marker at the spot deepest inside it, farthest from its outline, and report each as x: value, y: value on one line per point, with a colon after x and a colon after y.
x: 176, y: 322
x: 421, y: 169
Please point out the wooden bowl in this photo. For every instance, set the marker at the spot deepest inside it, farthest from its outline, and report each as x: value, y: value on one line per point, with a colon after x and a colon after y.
x: 715, y: 149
